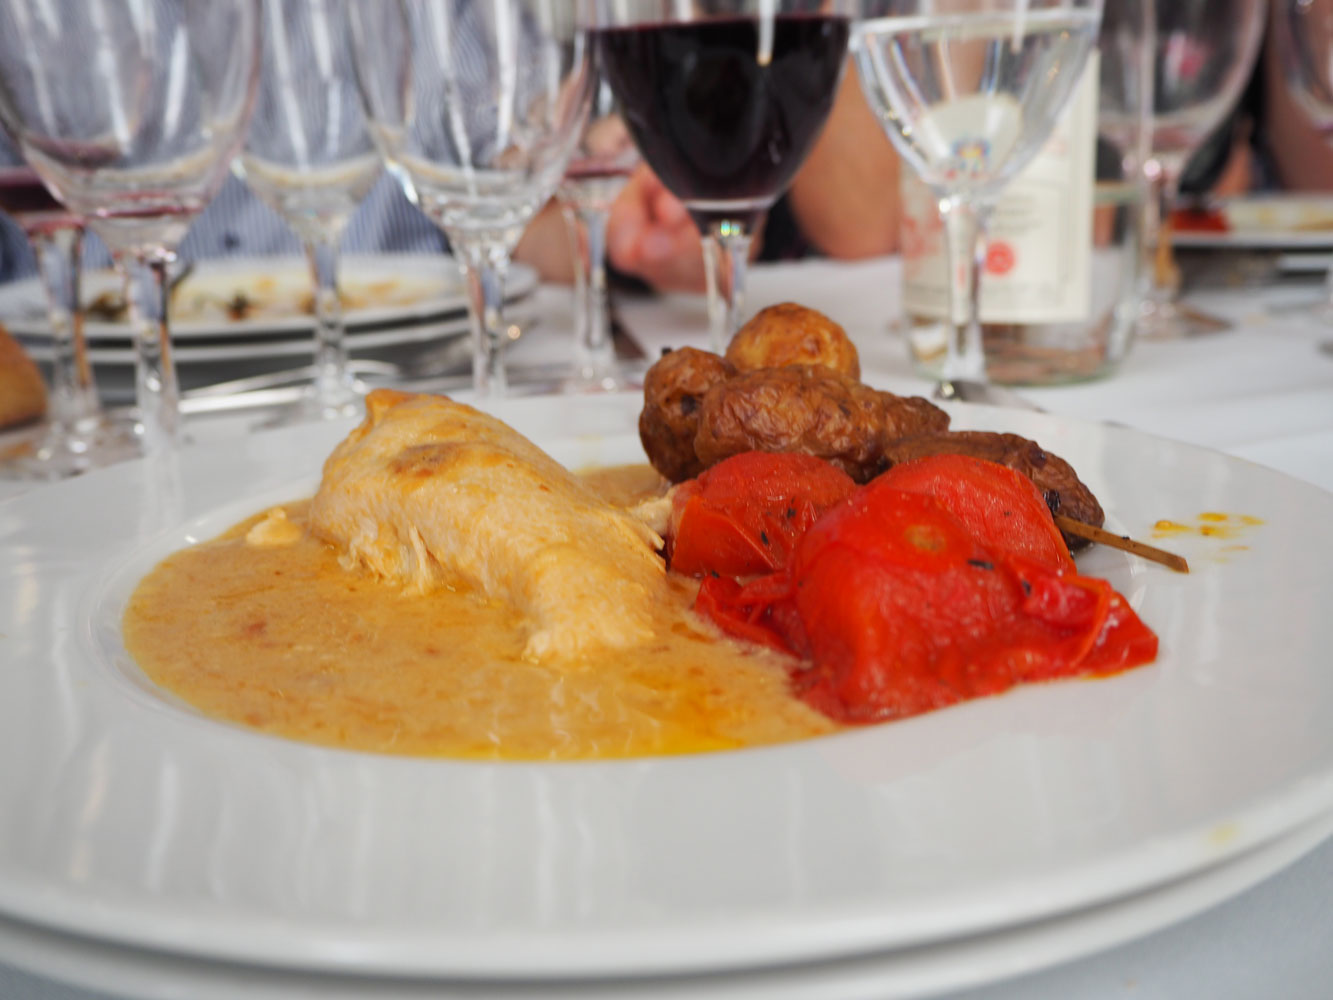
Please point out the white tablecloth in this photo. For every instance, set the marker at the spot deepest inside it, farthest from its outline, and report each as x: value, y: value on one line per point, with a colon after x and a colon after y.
x: 1262, y: 391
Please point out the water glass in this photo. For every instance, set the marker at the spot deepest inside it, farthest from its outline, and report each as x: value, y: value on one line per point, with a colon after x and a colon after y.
x: 476, y: 108
x: 309, y: 156
x: 130, y: 112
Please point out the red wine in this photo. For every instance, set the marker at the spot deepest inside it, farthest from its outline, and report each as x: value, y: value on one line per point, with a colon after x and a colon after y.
x: 23, y: 194
x: 723, y: 130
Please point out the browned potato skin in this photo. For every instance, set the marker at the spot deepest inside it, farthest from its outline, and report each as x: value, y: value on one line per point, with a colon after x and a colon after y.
x: 791, y: 334
x: 673, y: 392
x: 801, y: 408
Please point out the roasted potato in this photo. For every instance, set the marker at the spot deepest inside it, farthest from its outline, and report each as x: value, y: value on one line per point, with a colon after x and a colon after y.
x: 790, y: 334
x: 673, y: 392
x: 810, y: 409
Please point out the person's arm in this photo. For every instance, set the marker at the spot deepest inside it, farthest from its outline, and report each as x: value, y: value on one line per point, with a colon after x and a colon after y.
x: 1301, y: 157
x: 546, y: 245
x: 845, y: 196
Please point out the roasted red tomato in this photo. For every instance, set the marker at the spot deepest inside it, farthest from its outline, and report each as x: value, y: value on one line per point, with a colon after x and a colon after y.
x: 745, y: 514
x: 901, y: 606
x: 993, y: 501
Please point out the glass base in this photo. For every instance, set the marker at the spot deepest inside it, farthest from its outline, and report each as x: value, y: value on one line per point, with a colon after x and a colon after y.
x: 1170, y: 320
x: 591, y: 380
x: 312, y: 406
x: 1026, y: 354
x: 50, y: 454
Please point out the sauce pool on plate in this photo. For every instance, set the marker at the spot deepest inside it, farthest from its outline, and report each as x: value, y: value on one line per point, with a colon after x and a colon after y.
x: 272, y: 633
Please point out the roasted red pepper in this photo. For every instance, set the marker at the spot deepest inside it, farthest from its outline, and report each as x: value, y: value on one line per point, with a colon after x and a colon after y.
x: 906, y: 600
x: 744, y: 515
x: 994, y: 502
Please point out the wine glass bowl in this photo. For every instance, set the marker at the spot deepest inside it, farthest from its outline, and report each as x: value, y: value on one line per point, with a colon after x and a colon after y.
x: 969, y: 91
x: 1203, y: 53
x: 308, y: 154
x: 1303, y: 43
x: 130, y: 113
x: 725, y: 99
x: 476, y: 109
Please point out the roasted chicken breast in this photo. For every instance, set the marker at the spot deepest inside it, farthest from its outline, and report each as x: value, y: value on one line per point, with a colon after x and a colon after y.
x: 433, y: 493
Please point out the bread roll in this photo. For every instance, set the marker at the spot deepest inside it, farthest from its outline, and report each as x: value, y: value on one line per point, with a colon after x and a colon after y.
x: 22, y: 394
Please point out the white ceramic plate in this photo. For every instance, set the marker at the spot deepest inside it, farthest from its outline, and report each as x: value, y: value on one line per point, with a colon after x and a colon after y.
x: 1268, y: 222
x: 891, y: 975
x: 382, y: 290
x: 127, y: 817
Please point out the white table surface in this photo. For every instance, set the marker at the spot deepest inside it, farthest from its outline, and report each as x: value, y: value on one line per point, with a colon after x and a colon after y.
x: 1262, y: 391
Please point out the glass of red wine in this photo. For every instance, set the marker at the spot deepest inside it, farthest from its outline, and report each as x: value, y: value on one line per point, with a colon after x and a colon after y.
x: 79, y: 435
x: 724, y: 99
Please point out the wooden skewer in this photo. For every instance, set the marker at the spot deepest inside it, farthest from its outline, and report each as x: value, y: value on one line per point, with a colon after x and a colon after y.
x: 1123, y: 542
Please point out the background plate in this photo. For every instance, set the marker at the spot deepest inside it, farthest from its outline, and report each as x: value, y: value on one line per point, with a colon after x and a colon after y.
x: 380, y: 289
x: 1269, y: 222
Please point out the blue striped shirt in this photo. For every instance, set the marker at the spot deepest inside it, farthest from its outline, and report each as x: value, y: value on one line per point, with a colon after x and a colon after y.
x: 237, y: 223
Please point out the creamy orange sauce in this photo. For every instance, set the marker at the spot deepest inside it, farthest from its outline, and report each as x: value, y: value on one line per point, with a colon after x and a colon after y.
x: 273, y: 634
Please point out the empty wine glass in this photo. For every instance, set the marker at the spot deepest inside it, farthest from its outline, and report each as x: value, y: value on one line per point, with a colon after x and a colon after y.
x: 597, y: 172
x: 79, y: 435
x: 130, y: 111
x: 1204, y: 51
x: 968, y: 92
x: 309, y: 156
x: 476, y: 107
x: 1303, y: 37
x: 724, y: 98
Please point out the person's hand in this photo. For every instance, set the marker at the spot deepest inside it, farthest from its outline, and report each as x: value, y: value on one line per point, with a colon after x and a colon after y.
x: 650, y: 235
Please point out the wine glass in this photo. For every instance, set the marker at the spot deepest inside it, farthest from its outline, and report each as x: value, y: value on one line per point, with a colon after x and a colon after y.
x: 130, y: 111
x: 1204, y: 51
x: 1303, y: 44
x: 724, y: 98
x: 476, y: 108
x: 309, y: 156
x: 968, y: 92
x: 598, y: 170
x: 79, y: 435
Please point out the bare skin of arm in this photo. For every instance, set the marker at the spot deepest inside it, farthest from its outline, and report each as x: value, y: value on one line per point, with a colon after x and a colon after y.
x: 845, y: 196
x: 1303, y: 158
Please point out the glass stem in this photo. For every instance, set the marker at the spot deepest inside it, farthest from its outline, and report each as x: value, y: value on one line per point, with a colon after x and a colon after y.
x: 726, y: 256
x: 156, y: 390
x: 333, y: 387
x: 73, y: 390
x: 965, y: 229
x: 594, y: 346
x: 572, y: 223
x: 484, y: 268
x: 1163, y: 280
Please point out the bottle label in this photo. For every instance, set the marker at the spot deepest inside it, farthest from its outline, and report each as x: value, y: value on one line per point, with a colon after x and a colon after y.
x: 1039, y: 253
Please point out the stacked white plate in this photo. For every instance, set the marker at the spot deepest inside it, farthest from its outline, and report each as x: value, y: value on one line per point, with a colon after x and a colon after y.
x: 142, y: 843
x: 242, y: 316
